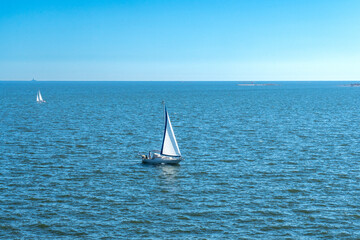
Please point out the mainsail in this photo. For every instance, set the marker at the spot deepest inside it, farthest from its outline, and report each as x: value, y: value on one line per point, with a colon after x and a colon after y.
x: 40, y: 98
x: 169, y: 145
x: 37, y: 97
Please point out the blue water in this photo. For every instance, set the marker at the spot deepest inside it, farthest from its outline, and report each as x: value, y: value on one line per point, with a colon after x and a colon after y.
x: 270, y: 162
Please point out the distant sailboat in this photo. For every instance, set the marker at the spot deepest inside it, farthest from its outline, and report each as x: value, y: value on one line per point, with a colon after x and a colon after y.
x: 170, y: 152
x: 39, y: 98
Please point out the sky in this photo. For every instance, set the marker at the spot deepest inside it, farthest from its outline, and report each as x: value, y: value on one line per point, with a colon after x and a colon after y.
x: 198, y: 40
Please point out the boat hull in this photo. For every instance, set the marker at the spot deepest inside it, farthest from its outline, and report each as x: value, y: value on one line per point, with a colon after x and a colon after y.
x: 162, y: 160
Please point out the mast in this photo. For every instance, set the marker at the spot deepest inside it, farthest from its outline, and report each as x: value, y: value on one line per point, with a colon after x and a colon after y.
x: 165, y: 120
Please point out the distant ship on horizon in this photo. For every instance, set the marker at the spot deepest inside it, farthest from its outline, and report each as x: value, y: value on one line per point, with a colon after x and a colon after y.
x: 351, y: 85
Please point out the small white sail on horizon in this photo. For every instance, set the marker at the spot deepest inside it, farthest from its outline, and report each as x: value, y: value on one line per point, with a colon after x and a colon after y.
x: 170, y: 152
x: 39, y: 98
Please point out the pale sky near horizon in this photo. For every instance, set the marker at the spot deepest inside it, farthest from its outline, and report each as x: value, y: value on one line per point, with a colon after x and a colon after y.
x: 202, y: 40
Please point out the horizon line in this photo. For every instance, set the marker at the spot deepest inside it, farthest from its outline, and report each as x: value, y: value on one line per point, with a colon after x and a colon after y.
x: 323, y: 80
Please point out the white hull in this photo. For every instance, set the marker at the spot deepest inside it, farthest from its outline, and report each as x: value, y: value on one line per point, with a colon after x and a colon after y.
x: 165, y: 160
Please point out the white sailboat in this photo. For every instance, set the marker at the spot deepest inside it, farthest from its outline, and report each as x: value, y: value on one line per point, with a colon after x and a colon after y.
x: 170, y: 152
x: 39, y: 98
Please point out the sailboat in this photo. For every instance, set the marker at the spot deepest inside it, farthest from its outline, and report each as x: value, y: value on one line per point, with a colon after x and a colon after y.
x: 170, y: 152
x: 39, y: 98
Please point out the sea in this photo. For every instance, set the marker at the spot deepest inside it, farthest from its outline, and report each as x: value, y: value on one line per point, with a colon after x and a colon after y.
x: 260, y: 162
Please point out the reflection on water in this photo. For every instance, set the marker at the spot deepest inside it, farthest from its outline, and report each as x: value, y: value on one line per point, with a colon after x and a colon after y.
x: 169, y: 172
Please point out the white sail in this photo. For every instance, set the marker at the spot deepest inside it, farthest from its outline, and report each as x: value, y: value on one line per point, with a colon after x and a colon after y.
x: 169, y: 146
x: 40, y: 97
x: 37, y: 97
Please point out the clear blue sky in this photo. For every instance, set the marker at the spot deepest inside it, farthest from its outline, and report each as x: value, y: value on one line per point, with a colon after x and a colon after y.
x: 180, y: 40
